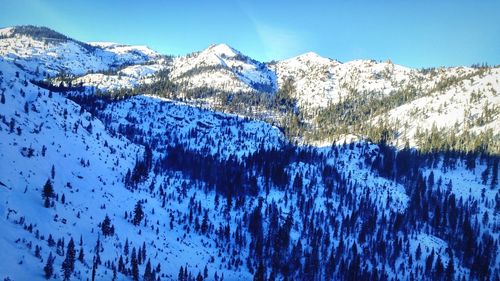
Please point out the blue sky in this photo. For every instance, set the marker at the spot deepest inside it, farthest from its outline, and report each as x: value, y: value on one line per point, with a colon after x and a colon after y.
x: 413, y: 33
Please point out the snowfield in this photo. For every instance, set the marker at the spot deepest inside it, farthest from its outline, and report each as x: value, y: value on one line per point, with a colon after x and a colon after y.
x: 318, y: 212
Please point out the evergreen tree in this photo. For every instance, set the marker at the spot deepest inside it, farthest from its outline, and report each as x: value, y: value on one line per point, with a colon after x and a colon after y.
x: 260, y: 274
x: 121, y: 265
x: 106, y: 227
x: 148, y: 273
x: 125, y: 248
x: 180, y: 276
x: 48, y: 269
x: 199, y: 277
x: 494, y: 176
x: 94, y: 268
x: 439, y: 268
x: 68, y: 266
x: 138, y: 213
x: 47, y: 193
x: 204, y: 224
x: 418, y: 252
x: 135, y: 266
x: 428, y: 262
x: 450, y: 268
x: 81, y: 255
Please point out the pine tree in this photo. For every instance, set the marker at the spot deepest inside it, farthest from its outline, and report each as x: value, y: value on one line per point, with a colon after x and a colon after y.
x: 135, y: 266
x: 429, y: 261
x: 148, y: 273
x: 138, y: 213
x: 94, y: 268
x: 180, y: 277
x: 143, y: 251
x: 260, y: 275
x: 68, y: 266
x: 204, y: 224
x: 115, y: 275
x: 48, y: 269
x: 47, y: 193
x: 37, y: 251
x: 125, y: 248
x: 297, y: 183
x: 121, y: 265
x: 494, y: 175
x: 450, y: 269
x: 81, y: 255
x: 199, y: 277
x: 418, y: 252
x: 439, y: 268
x: 106, y: 227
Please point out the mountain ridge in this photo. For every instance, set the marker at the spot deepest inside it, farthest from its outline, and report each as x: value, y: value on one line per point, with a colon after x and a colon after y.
x: 320, y: 89
x: 112, y: 171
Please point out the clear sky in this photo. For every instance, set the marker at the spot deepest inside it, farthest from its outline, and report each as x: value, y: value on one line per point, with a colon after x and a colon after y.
x: 417, y: 33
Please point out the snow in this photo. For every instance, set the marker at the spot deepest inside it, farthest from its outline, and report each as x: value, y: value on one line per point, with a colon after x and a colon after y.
x: 95, y: 190
x: 320, y: 81
x: 222, y: 68
x: 198, y: 129
x: 127, y: 52
x: 222, y: 50
x: 7, y: 31
x: 127, y: 78
x: 70, y: 138
x: 455, y: 107
x: 71, y: 57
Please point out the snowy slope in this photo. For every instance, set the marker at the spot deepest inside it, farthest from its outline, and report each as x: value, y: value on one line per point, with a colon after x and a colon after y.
x: 127, y: 78
x: 222, y: 68
x: 50, y: 57
x: 462, y: 106
x: 90, y: 164
x: 347, y: 206
x: 321, y: 81
x: 170, y: 123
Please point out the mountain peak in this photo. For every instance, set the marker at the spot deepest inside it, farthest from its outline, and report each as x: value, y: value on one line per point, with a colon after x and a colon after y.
x: 311, y: 57
x: 36, y: 32
x: 6, y: 31
x: 223, y: 50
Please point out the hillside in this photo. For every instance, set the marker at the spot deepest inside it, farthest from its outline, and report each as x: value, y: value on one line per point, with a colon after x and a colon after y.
x: 46, y: 53
x: 320, y: 100
x: 123, y: 178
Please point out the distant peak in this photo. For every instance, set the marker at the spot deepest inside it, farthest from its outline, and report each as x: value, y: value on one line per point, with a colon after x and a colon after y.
x: 6, y: 31
x: 103, y: 44
x: 36, y: 32
x: 311, y: 57
x: 223, y: 49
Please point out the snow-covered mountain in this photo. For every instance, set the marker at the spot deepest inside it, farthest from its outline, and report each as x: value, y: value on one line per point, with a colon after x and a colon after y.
x: 42, y: 51
x: 471, y: 105
x: 402, y: 97
x: 194, y: 194
x: 126, y: 78
x: 222, y: 68
x: 321, y: 81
